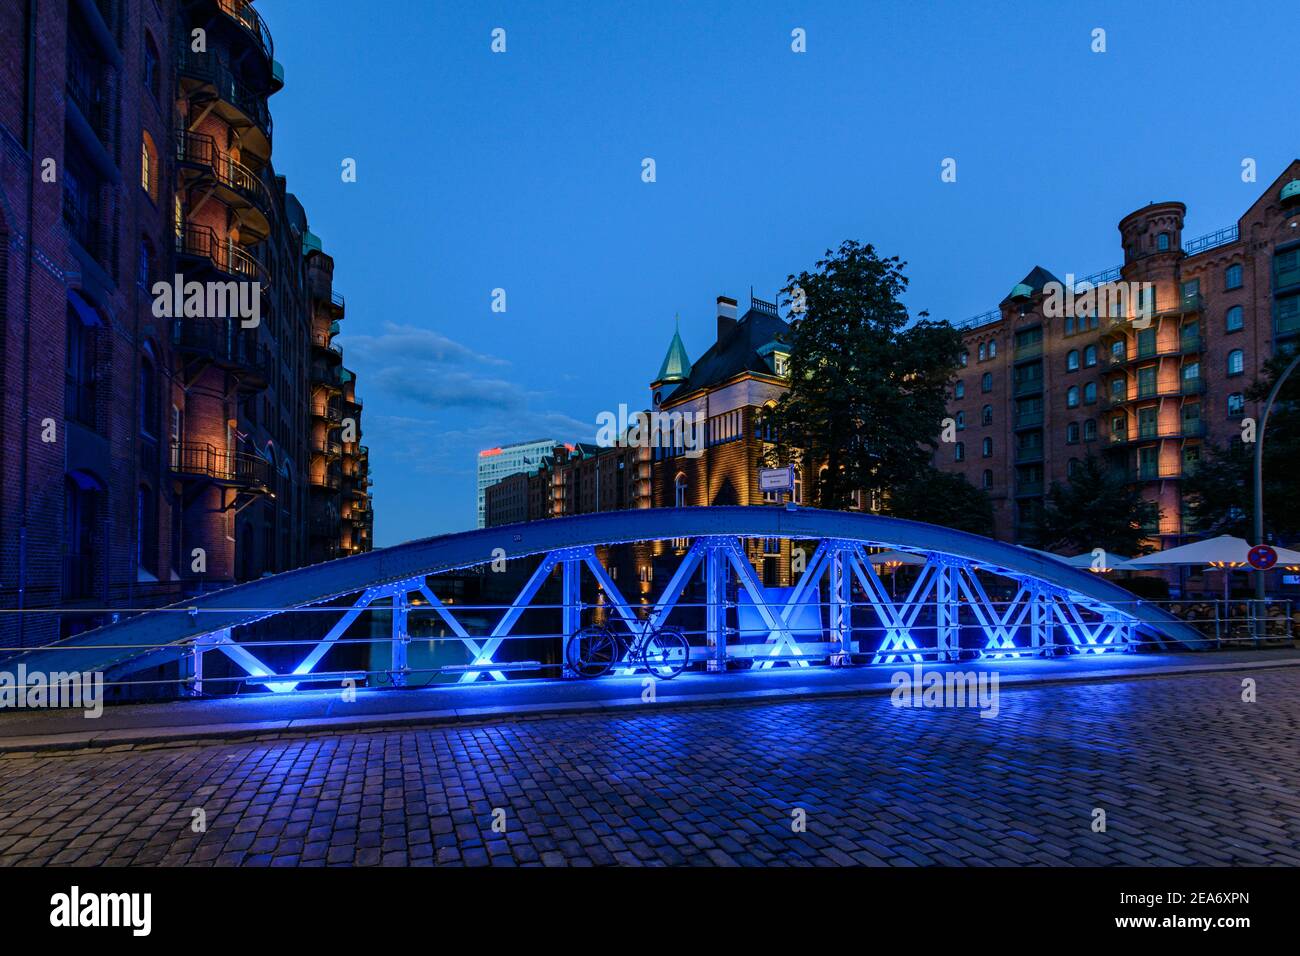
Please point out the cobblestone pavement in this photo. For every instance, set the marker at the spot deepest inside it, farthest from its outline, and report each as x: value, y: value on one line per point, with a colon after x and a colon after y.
x: 1185, y: 771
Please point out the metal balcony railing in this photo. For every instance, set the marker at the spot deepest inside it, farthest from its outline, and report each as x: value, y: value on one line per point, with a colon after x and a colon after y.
x: 242, y: 12
x: 208, y: 69
x: 225, y: 342
x: 229, y: 257
x: 204, y: 460
x: 199, y: 149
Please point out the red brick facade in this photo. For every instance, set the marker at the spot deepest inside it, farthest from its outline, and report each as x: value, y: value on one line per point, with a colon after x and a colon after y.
x: 1044, y: 391
x: 131, y: 439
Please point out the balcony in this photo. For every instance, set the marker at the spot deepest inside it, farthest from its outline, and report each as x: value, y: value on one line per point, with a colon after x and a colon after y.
x: 232, y: 469
x: 329, y: 350
x: 1186, y: 305
x: 1028, y: 386
x: 330, y: 480
x: 1146, y: 433
x: 203, y: 165
x: 242, y: 12
x: 202, y: 242
x: 1029, y: 454
x: 1143, y: 391
x: 1191, y: 344
x: 1031, y: 350
x: 1156, y: 472
x: 329, y: 447
x: 327, y: 374
x: 223, y: 343
x: 205, y: 79
x: 1028, y: 489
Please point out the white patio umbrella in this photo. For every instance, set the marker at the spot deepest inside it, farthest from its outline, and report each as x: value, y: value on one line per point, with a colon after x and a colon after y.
x: 891, y: 561
x: 1114, y: 562
x: 1224, y: 552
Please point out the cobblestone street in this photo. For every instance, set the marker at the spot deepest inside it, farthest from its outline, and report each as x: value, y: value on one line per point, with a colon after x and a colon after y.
x: 1185, y: 771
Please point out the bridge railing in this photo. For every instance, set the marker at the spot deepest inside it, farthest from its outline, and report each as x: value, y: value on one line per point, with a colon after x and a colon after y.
x: 443, y: 641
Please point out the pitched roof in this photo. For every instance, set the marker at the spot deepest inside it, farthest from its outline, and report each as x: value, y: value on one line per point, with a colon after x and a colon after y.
x: 737, y: 351
x: 677, y: 364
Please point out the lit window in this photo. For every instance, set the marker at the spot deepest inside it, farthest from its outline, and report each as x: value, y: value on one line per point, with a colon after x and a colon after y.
x: 1072, y: 397
x: 1090, y: 356
x: 1089, y: 393
x: 1236, y: 405
x: 1072, y: 360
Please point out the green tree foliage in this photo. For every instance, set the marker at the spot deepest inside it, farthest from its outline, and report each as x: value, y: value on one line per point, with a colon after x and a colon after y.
x: 942, y: 498
x: 868, y: 387
x: 1220, y: 493
x: 1097, y: 508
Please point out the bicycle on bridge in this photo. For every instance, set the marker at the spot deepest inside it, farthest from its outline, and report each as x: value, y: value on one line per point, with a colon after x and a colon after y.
x: 593, y: 650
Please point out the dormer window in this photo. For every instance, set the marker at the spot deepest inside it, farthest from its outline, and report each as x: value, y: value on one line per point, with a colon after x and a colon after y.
x: 781, y: 363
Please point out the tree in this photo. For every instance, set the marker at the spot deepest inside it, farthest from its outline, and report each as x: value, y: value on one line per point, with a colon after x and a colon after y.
x: 1219, y: 493
x: 1097, y: 508
x: 867, y: 390
x: 942, y: 498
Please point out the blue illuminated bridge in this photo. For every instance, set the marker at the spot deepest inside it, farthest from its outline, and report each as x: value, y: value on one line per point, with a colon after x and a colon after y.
x: 499, y: 603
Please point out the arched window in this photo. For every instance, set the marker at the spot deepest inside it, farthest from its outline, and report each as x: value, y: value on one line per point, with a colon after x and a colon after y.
x: 149, y: 166
x: 988, y: 478
x: 1072, y: 433
x: 961, y: 420
x: 959, y: 390
x: 1089, y: 393
x: 1090, y: 429
x: 986, y: 415
x: 1162, y: 242
x: 1236, y: 405
x: 987, y: 448
x: 959, y: 451
x: 679, y: 491
x: 1236, y: 362
x: 1072, y: 396
x: 984, y: 351
x: 986, y: 382
x: 1071, y: 467
x: 1090, y: 356
x: 993, y: 348
x: 1232, y: 277
x: 964, y: 360
x: 1234, y: 321
x: 1071, y: 360
x: 797, y: 495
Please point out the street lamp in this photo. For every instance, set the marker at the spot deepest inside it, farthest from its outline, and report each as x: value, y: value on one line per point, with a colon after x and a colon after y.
x: 1259, y: 483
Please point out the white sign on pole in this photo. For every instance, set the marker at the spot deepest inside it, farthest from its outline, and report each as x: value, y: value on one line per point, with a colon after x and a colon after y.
x: 776, y: 479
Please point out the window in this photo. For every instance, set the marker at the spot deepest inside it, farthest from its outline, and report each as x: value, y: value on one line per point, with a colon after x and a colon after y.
x: 1236, y: 405
x: 959, y: 451
x: 1118, y: 389
x: 146, y: 532
x: 1286, y: 268
x: 987, y: 448
x: 964, y: 360
x: 993, y: 349
x: 147, y: 395
x: 961, y: 420
x: 1090, y: 356
x: 1118, y: 350
x: 987, y: 480
x: 1232, y: 277
x: 1236, y: 362
x: 1090, y: 393
x: 1071, y: 467
x: 797, y: 495
x: 145, y: 267
x: 1235, y: 320
x: 986, y: 382
x: 151, y: 67
x: 1069, y: 325
x: 80, y: 511
x: 986, y: 415
x: 1119, y: 427
x: 79, y: 390
x: 1072, y: 397
x: 984, y: 351
x: 959, y: 390
x: 679, y: 491
x: 1072, y: 433
x: 1072, y: 360
x: 1090, y: 429
x: 1162, y: 242
x: 149, y: 166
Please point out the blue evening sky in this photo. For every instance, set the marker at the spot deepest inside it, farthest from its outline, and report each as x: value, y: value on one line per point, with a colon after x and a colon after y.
x: 522, y: 171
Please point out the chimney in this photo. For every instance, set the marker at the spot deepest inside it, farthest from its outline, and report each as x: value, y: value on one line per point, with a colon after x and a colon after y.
x: 726, y: 315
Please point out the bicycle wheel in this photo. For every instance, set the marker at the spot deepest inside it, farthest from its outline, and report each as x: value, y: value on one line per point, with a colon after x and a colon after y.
x: 666, y: 653
x: 592, y: 651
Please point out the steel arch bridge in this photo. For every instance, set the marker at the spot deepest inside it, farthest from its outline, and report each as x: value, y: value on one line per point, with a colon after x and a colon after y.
x: 838, y: 610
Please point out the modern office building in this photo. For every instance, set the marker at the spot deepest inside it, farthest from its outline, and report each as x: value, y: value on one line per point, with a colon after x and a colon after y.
x: 497, y: 463
x: 151, y: 451
x: 1148, y: 390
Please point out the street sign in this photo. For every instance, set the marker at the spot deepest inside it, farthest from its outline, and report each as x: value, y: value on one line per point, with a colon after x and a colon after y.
x: 1261, y: 557
x: 776, y: 479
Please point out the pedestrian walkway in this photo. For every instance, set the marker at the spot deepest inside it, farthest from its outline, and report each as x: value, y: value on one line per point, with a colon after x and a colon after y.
x: 327, y: 710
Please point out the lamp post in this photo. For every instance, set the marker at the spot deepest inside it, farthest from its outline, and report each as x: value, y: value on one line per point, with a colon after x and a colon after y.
x: 1259, y: 483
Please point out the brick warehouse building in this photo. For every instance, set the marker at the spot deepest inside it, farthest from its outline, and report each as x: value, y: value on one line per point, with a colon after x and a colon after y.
x: 173, y: 454
x: 1037, y: 393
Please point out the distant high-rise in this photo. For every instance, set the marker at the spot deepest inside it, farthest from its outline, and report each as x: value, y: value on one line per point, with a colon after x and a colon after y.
x: 497, y: 463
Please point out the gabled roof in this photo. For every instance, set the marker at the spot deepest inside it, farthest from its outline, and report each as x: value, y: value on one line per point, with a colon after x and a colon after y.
x: 1033, y: 283
x: 736, y: 352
